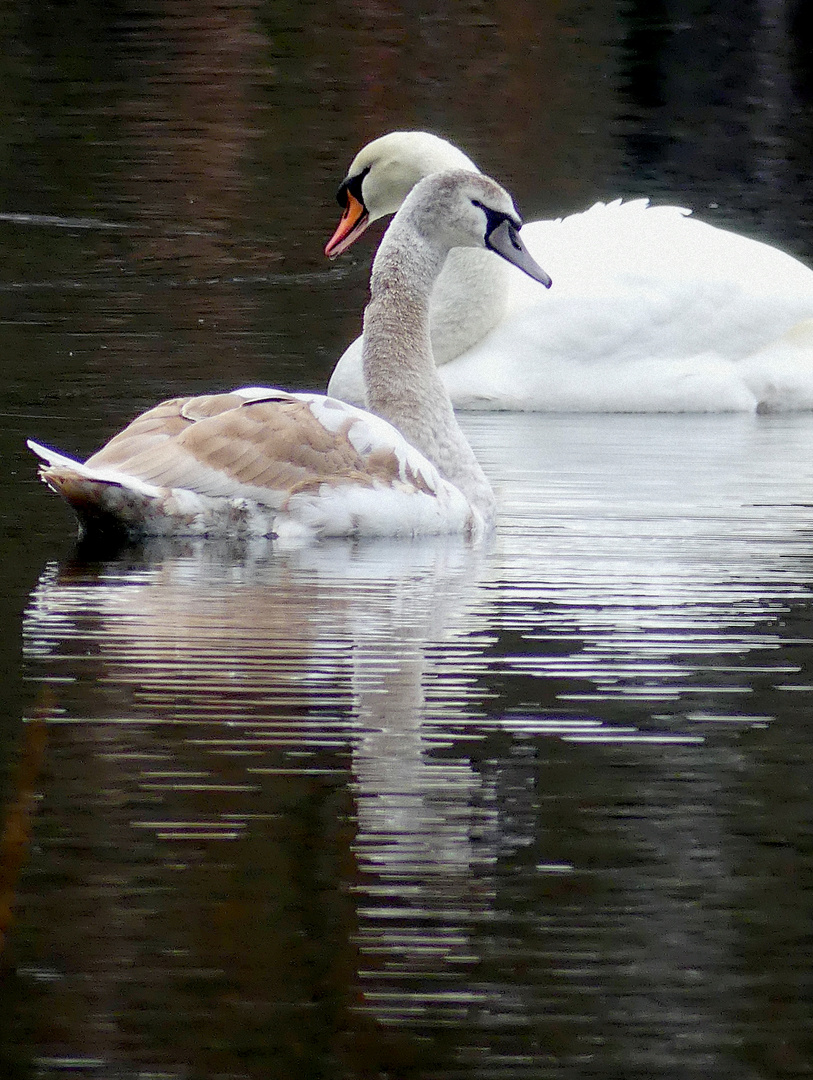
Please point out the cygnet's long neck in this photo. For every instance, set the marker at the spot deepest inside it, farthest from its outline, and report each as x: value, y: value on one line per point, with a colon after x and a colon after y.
x: 399, y: 370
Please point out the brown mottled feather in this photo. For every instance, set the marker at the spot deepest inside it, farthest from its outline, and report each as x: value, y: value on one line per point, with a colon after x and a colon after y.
x: 153, y: 427
x: 208, y: 405
x: 215, y: 443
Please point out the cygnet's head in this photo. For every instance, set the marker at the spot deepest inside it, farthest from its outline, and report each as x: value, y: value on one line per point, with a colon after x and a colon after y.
x: 458, y: 208
x: 382, y: 175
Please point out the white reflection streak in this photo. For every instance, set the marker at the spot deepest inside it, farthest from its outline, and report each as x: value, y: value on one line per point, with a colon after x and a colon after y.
x: 208, y: 665
x: 335, y: 649
x: 416, y: 814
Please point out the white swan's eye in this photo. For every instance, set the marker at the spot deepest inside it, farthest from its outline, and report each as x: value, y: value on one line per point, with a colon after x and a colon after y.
x: 352, y: 186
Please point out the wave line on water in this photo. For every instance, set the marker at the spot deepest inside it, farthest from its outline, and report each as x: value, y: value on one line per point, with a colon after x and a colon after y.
x: 59, y: 222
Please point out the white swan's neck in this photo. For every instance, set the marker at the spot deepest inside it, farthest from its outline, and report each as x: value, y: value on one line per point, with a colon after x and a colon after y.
x: 402, y: 384
x: 469, y: 299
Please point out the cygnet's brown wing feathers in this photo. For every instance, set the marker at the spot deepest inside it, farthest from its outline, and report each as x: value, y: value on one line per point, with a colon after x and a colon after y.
x: 225, y: 445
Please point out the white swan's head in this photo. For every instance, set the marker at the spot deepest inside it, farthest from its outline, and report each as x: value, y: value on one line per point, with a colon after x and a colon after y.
x: 382, y: 175
x: 458, y: 208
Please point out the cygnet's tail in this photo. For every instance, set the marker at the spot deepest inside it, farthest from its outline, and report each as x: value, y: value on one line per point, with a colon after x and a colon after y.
x: 106, y: 501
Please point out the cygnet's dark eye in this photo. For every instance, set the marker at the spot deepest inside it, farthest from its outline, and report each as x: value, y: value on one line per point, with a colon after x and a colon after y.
x: 495, y: 218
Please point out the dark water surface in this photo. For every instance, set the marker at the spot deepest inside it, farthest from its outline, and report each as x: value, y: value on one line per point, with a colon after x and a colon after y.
x: 396, y: 810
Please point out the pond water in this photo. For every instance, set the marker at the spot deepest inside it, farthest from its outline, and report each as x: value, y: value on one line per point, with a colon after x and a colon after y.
x: 537, y: 808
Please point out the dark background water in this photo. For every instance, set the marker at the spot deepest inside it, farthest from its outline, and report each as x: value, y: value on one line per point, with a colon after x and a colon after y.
x: 167, y: 175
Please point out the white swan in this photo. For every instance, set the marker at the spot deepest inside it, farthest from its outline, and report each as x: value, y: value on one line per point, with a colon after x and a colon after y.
x: 651, y: 311
x: 262, y: 462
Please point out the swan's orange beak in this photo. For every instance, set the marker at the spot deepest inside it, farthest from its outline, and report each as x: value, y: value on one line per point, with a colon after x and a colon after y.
x: 355, y: 220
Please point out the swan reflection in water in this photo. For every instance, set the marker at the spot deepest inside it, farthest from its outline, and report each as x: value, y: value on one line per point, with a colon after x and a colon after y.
x: 307, y: 796
x: 206, y: 698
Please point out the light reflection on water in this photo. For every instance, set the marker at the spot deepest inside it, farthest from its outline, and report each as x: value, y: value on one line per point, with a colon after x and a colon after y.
x: 498, y: 810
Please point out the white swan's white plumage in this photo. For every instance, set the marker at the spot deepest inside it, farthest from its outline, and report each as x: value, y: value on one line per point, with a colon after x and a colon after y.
x: 263, y: 462
x: 651, y: 309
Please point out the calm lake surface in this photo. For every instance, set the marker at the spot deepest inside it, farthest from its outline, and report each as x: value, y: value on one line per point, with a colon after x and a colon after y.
x: 536, y: 809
